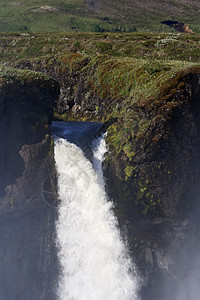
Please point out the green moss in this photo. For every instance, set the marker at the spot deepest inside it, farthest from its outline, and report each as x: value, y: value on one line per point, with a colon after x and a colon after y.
x: 147, y: 207
x: 128, y: 150
x: 10, y: 75
x: 128, y: 172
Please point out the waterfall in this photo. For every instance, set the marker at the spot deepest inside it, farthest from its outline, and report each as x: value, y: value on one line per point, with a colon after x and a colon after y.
x: 94, y: 260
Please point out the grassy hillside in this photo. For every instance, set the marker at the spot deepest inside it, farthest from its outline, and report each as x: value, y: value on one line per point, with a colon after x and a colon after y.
x: 96, y: 16
x: 148, y: 46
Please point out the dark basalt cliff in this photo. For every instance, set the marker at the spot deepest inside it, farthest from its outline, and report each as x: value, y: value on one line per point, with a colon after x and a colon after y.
x: 28, y: 256
x: 26, y: 153
x: 164, y: 161
x: 159, y: 199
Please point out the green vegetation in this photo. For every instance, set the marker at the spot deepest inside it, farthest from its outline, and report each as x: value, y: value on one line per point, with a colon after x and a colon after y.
x: 92, y: 16
x: 48, y: 16
x: 162, y: 47
x: 10, y: 75
x: 17, y: 78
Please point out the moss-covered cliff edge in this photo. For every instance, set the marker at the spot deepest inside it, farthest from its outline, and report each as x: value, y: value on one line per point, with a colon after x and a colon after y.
x: 26, y: 155
x: 157, y: 157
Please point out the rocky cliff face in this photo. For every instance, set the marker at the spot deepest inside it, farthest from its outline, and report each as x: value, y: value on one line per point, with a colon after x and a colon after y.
x: 164, y: 168
x: 26, y: 154
x: 163, y: 185
x: 28, y: 255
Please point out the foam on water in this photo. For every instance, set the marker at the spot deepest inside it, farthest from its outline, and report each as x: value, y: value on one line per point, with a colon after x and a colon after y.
x: 94, y: 260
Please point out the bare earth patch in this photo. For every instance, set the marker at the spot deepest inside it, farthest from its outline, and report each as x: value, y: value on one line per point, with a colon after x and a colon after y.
x: 44, y: 9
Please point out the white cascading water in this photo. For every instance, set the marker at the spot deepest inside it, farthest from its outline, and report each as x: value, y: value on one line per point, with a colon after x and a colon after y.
x: 94, y: 260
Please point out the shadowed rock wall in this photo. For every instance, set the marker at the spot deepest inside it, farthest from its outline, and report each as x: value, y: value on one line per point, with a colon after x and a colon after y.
x: 28, y: 258
x: 26, y: 152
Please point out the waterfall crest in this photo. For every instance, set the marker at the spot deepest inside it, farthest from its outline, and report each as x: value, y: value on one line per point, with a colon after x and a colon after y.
x: 94, y: 260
